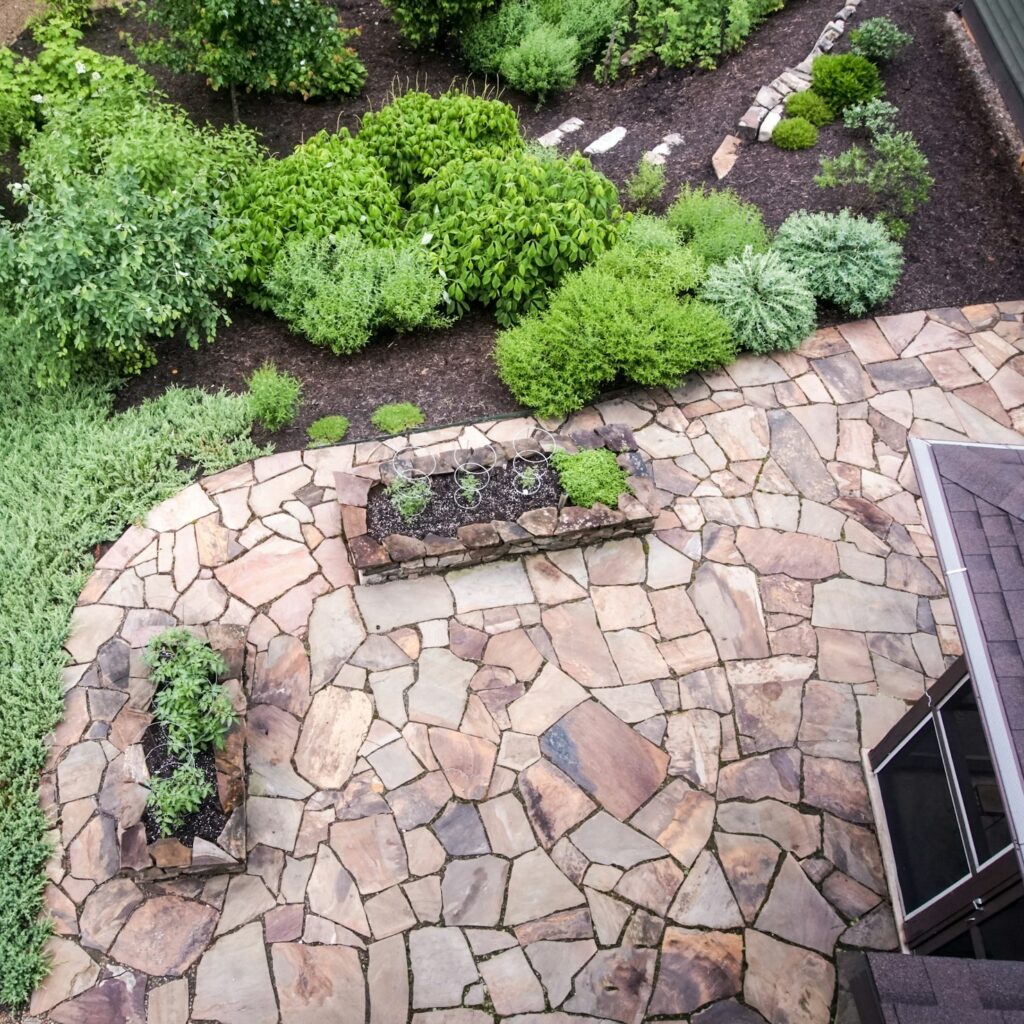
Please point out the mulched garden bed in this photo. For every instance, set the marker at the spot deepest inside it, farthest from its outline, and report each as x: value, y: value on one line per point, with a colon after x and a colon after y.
x: 964, y: 246
x: 206, y: 823
x: 499, y: 499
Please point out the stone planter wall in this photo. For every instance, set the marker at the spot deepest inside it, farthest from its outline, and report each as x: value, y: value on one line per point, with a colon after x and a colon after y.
x: 124, y: 792
x: 400, y: 556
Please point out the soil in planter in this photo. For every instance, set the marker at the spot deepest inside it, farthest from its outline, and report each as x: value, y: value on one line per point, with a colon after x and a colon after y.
x: 206, y: 823
x: 499, y: 499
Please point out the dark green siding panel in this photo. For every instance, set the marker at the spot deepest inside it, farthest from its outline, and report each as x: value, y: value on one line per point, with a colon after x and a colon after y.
x: 998, y: 26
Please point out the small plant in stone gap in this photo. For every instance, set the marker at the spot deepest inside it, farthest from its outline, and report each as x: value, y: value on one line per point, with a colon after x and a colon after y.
x: 327, y: 430
x: 274, y: 396
x: 195, y: 710
x: 851, y: 262
x: 879, y: 39
x: 409, y: 496
x: 769, y: 306
x: 810, y: 106
x: 397, y: 417
x: 173, y: 798
x: 795, y: 133
x: 646, y: 185
x: 590, y: 476
x: 843, y: 79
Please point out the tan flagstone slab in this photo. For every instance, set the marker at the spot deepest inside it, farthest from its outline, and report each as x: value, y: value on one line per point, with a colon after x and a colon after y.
x: 267, y: 571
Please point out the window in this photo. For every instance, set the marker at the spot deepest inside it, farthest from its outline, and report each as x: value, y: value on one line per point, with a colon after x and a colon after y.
x: 947, y: 826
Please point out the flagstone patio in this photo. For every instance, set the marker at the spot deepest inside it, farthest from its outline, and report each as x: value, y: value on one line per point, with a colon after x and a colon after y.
x: 620, y: 782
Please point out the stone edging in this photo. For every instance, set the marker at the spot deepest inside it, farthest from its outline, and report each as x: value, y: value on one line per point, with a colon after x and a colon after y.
x: 758, y: 123
x: 542, y: 529
x: 125, y: 792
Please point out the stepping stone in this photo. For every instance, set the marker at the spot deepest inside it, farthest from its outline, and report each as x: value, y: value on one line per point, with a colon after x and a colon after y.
x: 316, y: 983
x: 749, y: 865
x: 165, y: 936
x: 607, y: 141
x: 537, y: 889
x: 615, y: 984
x: 555, y: 136
x: 786, y: 983
x: 607, y: 841
x: 442, y: 967
x: 796, y: 911
x: 725, y: 157
x: 696, y: 968
x: 657, y: 155
x: 472, y: 891
x: 705, y: 901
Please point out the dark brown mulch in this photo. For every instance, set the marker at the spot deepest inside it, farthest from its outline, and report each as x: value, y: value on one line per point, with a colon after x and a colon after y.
x: 499, y: 498
x: 964, y: 247
x: 206, y: 823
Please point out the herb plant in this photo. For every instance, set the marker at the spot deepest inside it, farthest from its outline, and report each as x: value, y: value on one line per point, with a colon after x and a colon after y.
x: 397, y: 418
x: 424, y: 22
x: 879, y: 39
x: 469, y: 487
x: 877, y: 116
x: 768, y: 305
x: 173, y: 798
x: 274, y: 396
x: 646, y: 185
x: 849, y: 261
x: 327, y: 430
x: 409, y: 496
x: 716, y: 224
x: 590, y: 476
x: 543, y: 62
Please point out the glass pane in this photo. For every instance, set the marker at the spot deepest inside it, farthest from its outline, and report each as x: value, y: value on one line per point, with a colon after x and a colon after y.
x: 1003, y: 933
x: 982, y: 800
x: 922, y: 824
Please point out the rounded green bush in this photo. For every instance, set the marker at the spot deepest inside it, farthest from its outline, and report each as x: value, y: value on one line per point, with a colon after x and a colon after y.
x: 545, y: 61
x: 327, y: 430
x: 716, y: 223
x: 849, y: 261
x: 879, y: 39
x: 795, y: 133
x: 769, y: 306
x: 415, y: 135
x: 843, y: 79
x: 810, y: 106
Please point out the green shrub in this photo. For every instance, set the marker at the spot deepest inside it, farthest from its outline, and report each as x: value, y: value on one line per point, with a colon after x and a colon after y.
x: 684, y: 32
x: 768, y: 305
x: 876, y: 116
x: 74, y: 473
x: 646, y: 185
x: 486, y: 40
x: 506, y: 229
x: 590, y: 21
x: 892, y: 173
x: 424, y: 22
x: 415, y: 135
x: 63, y: 76
x: 328, y: 185
x: 599, y: 329
x: 174, y: 797
x: 189, y: 703
x: 327, y: 430
x: 297, y: 47
x: 590, y: 476
x: 795, y: 133
x: 544, y: 61
x: 409, y: 496
x: 340, y: 290
x: 103, y: 268
x: 648, y: 251
x: 849, y: 261
x: 810, y: 106
x: 717, y: 224
x: 843, y: 79
x: 397, y: 418
x: 879, y: 39
x: 74, y: 12
x: 274, y: 396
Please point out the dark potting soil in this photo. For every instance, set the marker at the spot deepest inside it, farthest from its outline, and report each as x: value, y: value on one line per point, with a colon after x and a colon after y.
x: 206, y: 823
x: 500, y: 499
x: 963, y: 247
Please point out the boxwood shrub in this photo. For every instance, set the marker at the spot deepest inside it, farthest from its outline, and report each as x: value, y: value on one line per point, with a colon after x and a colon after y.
x: 843, y: 79
x: 795, y: 133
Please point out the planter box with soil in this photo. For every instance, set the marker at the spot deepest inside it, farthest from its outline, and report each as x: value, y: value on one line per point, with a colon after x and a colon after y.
x: 479, y: 505
x: 209, y: 835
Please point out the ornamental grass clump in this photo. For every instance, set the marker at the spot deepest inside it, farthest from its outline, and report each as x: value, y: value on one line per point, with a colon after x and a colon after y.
x: 769, y: 306
x: 851, y: 262
x: 590, y: 476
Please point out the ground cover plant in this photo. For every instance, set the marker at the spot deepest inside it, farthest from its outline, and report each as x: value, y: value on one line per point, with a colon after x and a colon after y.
x: 397, y: 417
x: 72, y: 476
x: 327, y: 430
x: 590, y: 476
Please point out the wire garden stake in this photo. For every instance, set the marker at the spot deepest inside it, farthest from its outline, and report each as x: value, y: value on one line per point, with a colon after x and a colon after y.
x: 471, y: 480
x: 403, y: 464
x: 530, y: 463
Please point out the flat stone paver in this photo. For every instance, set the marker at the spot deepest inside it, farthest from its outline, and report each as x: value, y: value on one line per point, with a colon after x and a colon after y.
x: 620, y: 782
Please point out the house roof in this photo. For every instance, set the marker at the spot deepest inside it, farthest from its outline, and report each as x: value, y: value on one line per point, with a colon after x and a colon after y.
x: 974, y: 498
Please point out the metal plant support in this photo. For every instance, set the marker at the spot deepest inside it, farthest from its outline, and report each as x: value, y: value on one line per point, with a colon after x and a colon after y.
x: 530, y: 462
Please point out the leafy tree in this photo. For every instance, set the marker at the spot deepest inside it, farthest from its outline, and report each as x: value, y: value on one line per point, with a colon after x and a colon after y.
x: 290, y: 46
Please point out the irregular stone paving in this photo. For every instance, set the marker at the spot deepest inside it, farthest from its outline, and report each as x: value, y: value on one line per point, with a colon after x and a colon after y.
x: 621, y: 783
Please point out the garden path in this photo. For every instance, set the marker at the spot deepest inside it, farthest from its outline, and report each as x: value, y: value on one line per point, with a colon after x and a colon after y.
x: 620, y: 782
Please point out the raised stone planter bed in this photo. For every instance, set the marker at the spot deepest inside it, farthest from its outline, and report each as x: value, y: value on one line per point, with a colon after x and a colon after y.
x: 548, y: 527
x: 142, y: 854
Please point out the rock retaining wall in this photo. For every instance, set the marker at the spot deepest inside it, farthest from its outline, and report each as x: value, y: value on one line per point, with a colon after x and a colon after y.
x: 399, y: 556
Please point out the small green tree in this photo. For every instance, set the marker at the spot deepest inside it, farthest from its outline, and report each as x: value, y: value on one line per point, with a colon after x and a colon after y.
x: 296, y: 46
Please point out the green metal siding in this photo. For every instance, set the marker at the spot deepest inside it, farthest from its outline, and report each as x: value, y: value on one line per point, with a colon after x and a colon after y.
x: 998, y: 26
